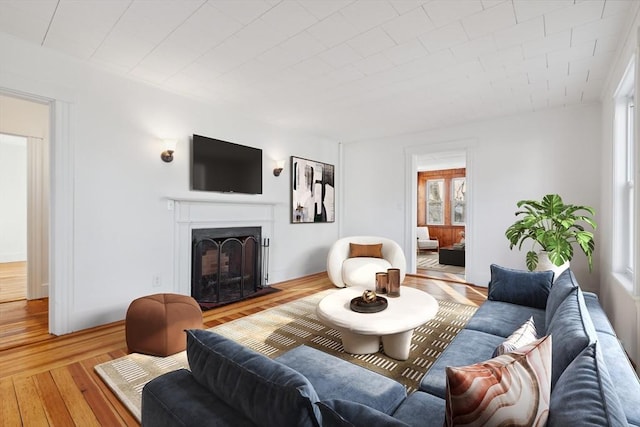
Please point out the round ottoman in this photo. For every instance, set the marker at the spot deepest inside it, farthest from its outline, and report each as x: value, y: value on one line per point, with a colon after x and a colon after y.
x: 155, y: 324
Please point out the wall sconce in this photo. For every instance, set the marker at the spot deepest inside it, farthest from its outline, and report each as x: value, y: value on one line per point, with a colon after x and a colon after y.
x: 169, y: 148
x: 278, y: 169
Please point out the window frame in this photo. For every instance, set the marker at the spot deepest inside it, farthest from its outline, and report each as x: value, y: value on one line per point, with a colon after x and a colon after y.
x: 625, y: 170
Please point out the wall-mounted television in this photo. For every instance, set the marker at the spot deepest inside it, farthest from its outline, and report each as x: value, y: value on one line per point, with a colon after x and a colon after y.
x: 223, y: 166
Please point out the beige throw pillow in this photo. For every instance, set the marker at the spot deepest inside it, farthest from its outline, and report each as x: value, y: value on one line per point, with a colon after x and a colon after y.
x: 525, y: 334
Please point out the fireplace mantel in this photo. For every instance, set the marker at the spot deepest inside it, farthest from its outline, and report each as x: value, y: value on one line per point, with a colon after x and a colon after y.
x: 194, y: 212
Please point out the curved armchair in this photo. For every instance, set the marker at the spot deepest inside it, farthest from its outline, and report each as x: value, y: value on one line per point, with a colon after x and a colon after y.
x: 361, y: 272
x: 425, y: 242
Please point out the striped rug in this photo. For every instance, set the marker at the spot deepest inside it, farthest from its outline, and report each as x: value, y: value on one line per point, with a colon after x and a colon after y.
x: 430, y: 261
x: 277, y: 330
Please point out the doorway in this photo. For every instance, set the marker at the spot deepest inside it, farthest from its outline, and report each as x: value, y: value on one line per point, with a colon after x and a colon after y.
x: 434, y: 155
x: 24, y: 199
x: 13, y: 221
x: 441, y: 213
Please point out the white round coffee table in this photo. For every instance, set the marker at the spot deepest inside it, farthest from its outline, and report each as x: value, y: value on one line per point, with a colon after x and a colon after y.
x: 361, y: 332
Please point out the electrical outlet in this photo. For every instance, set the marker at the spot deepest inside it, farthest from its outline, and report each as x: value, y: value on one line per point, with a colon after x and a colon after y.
x: 156, y: 282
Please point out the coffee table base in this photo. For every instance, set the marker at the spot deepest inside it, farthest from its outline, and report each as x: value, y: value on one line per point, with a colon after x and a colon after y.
x: 394, y: 345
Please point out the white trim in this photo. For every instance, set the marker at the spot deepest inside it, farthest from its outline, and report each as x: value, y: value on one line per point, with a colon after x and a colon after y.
x: 61, y: 243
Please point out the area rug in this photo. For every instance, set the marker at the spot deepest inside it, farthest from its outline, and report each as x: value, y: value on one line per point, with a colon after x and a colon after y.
x: 429, y: 261
x: 276, y: 330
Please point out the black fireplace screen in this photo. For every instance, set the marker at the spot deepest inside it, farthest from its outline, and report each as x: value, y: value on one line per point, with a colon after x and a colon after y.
x: 226, y: 263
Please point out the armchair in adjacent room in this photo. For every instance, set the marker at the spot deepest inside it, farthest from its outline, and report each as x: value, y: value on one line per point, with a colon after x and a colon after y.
x: 357, y: 264
x: 424, y: 241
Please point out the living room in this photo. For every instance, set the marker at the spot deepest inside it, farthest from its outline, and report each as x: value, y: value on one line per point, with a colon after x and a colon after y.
x: 113, y: 232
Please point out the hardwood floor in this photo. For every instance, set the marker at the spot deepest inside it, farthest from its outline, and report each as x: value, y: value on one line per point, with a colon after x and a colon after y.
x: 13, y: 281
x: 48, y: 380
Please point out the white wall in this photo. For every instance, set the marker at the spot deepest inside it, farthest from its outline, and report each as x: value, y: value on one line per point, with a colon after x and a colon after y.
x: 13, y: 198
x: 620, y: 303
x: 122, y: 231
x: 514, y: 158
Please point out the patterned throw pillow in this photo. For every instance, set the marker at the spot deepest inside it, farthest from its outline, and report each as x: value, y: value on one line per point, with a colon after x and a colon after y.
x: 525, y: 334
x: 513, y: 389
x: 370, y: 251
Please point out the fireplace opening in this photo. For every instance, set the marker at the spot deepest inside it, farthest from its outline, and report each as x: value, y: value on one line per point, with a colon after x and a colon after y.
x: 227, y: 264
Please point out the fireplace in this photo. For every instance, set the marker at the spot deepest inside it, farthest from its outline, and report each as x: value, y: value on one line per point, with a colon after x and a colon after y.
x: 226, y: 264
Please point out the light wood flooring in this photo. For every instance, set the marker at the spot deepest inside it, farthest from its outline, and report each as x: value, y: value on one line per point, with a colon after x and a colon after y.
x: 13, y: 281
x: 48, y: 380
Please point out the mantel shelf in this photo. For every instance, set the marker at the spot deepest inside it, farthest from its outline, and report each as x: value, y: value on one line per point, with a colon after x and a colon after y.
x: 216, y: 199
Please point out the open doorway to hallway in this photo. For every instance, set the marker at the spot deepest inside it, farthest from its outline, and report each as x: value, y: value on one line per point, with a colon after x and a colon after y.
x: 13, y: 221
x: 24, y: 198
x: 441, y: 211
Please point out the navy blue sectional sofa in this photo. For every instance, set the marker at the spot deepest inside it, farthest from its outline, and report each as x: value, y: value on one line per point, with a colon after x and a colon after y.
x: 593, y: 383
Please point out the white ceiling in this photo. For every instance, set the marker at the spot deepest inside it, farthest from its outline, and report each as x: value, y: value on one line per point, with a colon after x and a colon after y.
x: 345, y: 69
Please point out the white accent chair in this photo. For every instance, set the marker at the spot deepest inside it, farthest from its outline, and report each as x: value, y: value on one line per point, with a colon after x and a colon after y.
x: 424, y: 241
x: 361, y: 272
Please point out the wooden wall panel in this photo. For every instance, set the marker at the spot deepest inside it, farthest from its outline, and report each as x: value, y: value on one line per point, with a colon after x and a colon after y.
x: 447, y: 234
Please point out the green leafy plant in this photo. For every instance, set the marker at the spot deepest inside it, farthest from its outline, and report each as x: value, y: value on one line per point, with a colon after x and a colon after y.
x: 555, y: 227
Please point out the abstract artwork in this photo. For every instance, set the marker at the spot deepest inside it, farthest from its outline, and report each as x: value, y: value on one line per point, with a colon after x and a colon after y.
x: 312, y: 191
x: 435, y: 202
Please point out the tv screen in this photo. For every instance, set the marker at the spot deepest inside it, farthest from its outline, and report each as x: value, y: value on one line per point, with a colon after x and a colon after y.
x: 224, y: 166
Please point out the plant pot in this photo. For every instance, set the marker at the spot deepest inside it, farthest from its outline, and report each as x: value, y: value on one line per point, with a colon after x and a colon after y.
x: 545, y: 264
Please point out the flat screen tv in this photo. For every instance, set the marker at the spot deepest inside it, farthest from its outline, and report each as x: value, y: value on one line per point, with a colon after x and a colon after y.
x: 223, y: 166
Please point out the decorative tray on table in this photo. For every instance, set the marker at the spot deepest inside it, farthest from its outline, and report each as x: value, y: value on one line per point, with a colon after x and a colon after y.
x: 369, y: 302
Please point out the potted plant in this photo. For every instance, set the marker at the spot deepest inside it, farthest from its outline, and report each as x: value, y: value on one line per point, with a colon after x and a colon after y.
x: 555, y: 227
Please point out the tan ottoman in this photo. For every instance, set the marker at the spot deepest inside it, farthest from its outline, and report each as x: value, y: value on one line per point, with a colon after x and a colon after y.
x: 155, y: 324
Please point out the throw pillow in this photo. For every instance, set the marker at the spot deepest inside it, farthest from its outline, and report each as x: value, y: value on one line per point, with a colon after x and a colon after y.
x: 573, y: 330
x: 561, y: 288
x: 371, y: 251
x: 585, y: 395
x: 512, y: 389
x: 525, y: 334
x: 241, y: 378
x: 530, y: 288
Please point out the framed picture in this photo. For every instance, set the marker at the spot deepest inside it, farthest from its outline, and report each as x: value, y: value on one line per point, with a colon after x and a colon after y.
x: 312, y: 191
x: 458, y: 201
x: 435, y: 202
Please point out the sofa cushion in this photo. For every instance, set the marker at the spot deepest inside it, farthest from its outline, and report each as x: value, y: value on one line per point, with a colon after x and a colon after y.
x: 572, y: 330
x: 345, y: 413
x: 243, y: 378
x: 502, y: 318
x: 467, y: 347
x: 530, y: 288
x: 420, y: 409
x: 334, y: 378
x: 369, y: 251
x: 584, y: 394
x: 624, y: 378
x: 597, y: 314
x: 512, y: 389
x: 561, y: 288
x: 525, y: 334
x: 361, y: 272
x: 177, y: 399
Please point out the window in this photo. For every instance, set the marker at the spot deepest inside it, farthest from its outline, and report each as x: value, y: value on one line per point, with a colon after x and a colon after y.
x: 624, y: 174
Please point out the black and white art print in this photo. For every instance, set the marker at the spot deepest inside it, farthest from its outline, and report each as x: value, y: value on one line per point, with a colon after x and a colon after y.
x: 312, y: 191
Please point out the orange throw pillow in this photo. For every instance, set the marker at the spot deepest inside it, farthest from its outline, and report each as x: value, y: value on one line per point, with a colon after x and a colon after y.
x: 370, y: 251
